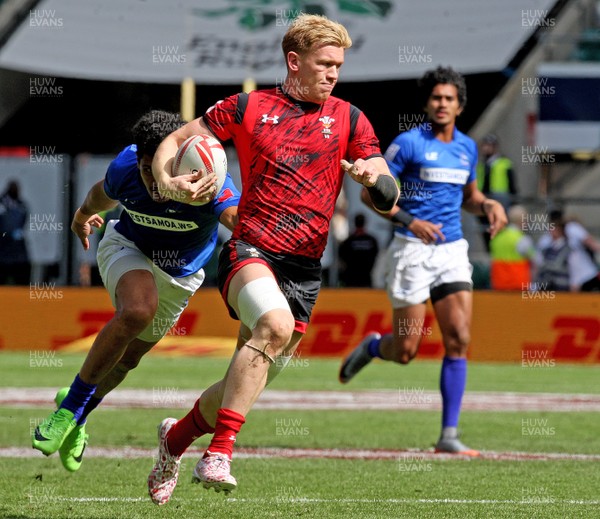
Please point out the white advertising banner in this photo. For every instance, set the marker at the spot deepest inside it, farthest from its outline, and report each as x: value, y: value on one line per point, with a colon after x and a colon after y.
x: 227, y: 41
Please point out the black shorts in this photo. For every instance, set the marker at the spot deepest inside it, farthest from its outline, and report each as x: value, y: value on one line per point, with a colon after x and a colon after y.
x: 298, y: 277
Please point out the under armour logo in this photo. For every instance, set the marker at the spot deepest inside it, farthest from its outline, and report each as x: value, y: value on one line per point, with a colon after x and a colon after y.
x: 431, y: 155
x: 266, y: 118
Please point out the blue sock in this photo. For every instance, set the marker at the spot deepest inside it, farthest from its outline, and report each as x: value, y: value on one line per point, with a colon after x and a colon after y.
x: 93, y: 402
x: 374, y: 348
x: 78, y: 397
x: 452, y: 385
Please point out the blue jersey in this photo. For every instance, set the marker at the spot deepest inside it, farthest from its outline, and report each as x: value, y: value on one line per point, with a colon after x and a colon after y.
x: 179, y: 238
x: 432, y: 175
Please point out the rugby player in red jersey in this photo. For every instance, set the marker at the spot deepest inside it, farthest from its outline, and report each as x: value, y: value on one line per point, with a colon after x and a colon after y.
x: 292, y: 142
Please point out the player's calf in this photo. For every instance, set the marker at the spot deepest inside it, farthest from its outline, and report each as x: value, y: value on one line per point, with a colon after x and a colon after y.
x: 403, y: 357
x: 401, y: 350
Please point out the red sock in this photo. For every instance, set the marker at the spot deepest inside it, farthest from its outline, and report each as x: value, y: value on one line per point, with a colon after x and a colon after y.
x: 185, y: 431
x: 228, y: 425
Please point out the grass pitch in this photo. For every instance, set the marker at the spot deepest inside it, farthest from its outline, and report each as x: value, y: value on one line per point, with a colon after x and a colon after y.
x: 414, y: 484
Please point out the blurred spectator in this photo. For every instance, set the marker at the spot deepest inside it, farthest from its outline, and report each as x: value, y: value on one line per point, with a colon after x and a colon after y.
x: 495, y: 177
x: 357, y: 254
x: 512, y: 253
x: 554, y: 266
x: 15, y: 267
x: 583, y: 247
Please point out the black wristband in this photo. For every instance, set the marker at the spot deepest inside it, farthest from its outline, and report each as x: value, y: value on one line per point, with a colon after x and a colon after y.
x: 384, y: 193
x: 402, y: 217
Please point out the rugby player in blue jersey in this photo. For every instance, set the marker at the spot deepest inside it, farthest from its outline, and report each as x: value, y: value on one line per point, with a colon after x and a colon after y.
x: 427, y: 259
x: 151, y: 263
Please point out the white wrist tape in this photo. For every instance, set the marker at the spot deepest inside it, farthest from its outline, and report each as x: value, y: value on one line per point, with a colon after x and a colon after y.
x: 257, y: 298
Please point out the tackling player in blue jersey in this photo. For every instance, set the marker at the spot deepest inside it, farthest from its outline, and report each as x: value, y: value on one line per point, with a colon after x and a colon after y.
x: 151, y: 263
x: 435, y: 165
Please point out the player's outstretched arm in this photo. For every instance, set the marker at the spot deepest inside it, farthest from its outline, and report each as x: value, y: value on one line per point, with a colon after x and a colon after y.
x: 87, y: 217
x: 375, y: 175
x: 476, y: 202
x: 183, y: 188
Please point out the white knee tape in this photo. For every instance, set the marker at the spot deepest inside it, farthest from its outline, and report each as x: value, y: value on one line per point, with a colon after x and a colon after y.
x: 257, y: 298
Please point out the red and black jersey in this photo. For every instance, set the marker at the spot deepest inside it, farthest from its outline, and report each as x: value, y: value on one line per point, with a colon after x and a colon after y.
x: 290, y: 153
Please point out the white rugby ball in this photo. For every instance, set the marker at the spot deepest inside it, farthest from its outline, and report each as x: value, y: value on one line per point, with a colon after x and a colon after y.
x: 201, y: 153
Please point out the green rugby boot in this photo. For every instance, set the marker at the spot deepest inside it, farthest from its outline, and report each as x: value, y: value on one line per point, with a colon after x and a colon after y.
x: 53, y: 431
x: 71, y: 451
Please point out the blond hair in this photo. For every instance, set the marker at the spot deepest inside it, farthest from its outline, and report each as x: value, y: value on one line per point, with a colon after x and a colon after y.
x: 308, y: 31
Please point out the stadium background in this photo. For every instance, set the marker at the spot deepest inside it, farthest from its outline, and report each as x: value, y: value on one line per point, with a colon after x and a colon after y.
x: 59, y: 132
x: 66, y: 106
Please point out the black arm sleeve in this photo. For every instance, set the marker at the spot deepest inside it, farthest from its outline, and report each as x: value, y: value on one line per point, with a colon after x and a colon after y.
x: 384, y: 193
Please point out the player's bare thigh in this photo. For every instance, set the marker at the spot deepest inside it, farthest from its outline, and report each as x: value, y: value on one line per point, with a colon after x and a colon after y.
x: 242, y: 277
x: 136, y: 295
x: 275, y: 327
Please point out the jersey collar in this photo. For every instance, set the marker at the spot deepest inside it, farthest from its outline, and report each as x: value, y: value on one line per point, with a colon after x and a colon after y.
x: 305, y: 106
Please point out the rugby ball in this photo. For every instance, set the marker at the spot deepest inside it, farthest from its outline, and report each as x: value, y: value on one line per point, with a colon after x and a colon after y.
x: 201, y: 153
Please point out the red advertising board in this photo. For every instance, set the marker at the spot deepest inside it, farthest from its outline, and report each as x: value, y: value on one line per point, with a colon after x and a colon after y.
x: 511, y: 327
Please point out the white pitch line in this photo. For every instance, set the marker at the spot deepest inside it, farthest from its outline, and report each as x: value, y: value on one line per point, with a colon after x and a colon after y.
x: 425, y: 501
x: 302, y: 500
x: 409, y: 456
x: 404, y: 398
